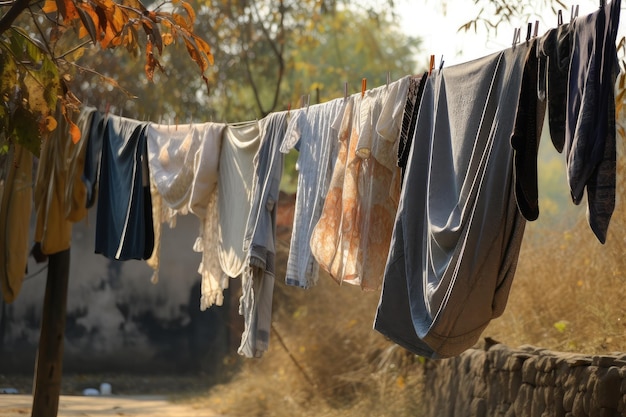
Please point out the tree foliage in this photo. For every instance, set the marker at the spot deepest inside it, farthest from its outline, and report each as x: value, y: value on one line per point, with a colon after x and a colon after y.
x: 36, y: 57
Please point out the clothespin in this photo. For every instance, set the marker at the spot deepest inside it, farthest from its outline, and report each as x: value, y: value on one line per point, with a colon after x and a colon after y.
x: 106, y: 111
x: 574, y: 14
x: 602, y: 3
x: 516, y: 35
x: 441, y: 63
x: 363, y: 86
x: 388, y: 78
x: 288, y: 108
x: 431, y: 66
x: 536, y: 32
x: 345, y: 90
x: 559, y: 18
x: 529, y: 29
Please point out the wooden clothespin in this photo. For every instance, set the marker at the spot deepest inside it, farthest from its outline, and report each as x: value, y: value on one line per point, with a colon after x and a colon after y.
x: 431, y: 66
x: 363, y: 86
x: 288, y: 108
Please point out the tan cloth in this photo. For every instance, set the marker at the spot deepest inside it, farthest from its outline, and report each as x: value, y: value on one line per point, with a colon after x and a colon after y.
x: 15, y: 206
x: 52, y: 229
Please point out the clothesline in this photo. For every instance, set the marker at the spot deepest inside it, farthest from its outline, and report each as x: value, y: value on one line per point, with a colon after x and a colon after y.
x: 419, y: 188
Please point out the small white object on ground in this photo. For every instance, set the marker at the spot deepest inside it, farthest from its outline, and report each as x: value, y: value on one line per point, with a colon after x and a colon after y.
x: 91, y: 391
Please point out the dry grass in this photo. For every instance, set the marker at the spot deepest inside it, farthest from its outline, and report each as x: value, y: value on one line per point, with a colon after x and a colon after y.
x: 569, y: 289
x: 324, y: 360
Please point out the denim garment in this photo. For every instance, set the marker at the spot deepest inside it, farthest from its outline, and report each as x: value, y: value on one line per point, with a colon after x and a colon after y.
x: 124, y: 227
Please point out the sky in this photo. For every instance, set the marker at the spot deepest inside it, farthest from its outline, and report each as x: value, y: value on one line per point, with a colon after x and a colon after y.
x: 436, y: 22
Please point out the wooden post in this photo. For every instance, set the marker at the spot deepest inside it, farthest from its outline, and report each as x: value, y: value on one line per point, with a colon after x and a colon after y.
x: 49, y: 362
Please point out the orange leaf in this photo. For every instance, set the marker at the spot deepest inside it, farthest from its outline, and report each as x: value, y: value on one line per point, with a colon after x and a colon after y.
x: 51, y: 123
x: 74, y: 132
x: 168, y: 39
x: 190, y: 12
x: 91, y: 21
x: 70, y: 11
x: 204, y: 47
x: 50, y: 6
x: 180, y: 20
x: 195, y: 54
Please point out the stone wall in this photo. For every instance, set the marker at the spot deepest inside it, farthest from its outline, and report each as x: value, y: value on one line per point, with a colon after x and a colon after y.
x: 497, y: 381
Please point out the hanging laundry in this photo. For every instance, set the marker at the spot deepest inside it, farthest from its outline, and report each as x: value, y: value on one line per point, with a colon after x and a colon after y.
x: 52, y: 229
x: 93, y: 155
x: 313, y: 131
x: 124, y: 227
x: 590, y: 120
x: 458, y: 231
x: 240, y: 144
x: 203, y: 202
x: 351, y: 238
x: 173, y: 152
x: 75, y: 188
x: 526, y: 136
x: 16, y: 194
x: 409, y: 119
x: 260, y: 239
x: 554, y: 50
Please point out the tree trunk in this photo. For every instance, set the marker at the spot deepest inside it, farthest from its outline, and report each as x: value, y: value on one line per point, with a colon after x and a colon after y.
x: 49, y: 363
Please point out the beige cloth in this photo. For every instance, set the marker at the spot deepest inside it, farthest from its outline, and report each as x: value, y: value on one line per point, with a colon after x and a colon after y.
x: 53, y: 230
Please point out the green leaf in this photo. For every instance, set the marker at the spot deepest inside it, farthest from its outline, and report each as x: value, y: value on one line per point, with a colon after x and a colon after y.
x: 25, y: 129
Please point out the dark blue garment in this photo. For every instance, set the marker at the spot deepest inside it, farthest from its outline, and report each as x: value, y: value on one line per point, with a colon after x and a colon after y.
x: 124, y: 219
x: 590, y: 128
x: 93, y: 154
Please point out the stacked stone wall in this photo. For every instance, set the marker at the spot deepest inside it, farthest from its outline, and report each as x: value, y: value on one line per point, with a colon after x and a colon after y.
x: 497, y: 381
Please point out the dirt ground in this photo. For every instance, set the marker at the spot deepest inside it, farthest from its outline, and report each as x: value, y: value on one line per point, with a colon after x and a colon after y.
x: 137, y: 396
x: 137, y: 406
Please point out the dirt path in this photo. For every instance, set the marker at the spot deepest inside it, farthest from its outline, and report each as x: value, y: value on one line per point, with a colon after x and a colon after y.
x: 136, y: 406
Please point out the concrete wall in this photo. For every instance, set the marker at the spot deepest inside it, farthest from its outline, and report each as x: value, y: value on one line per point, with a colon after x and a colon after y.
x: 497, y: 381
x: 117, y: 319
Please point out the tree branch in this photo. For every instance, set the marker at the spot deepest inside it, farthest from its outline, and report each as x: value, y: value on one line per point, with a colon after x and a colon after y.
x: 7, y: 20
